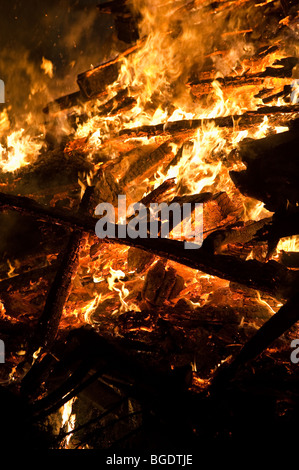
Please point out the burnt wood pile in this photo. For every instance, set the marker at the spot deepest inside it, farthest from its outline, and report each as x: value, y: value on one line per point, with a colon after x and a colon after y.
x: 133, y: 366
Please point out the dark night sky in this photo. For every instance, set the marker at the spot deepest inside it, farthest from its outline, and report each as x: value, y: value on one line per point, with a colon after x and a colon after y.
x: 70, y: 33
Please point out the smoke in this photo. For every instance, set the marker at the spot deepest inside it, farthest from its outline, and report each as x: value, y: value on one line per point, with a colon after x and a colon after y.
x: 44, y: 46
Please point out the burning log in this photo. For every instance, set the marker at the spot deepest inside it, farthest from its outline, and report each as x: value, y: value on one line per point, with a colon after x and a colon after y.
x: 52, y: 174
x: 136, y: 258
x: 64, y: 102
x: 92, y: 83
x: 49, y: 321
x: 218, y: 210
x: 113, y: 7
x: 245, y: 120
x: 284, y: 70
x: 17, y: 282
x: 285, y: 223
x: 243, y: 234
x: 139, y: 260
x: 270, y: 277
x: 161, y: 284
x: 290, y: 259
x: 161, y: 191
x: 121, y: 102
x: 142, y: 167
x: 285, y: 93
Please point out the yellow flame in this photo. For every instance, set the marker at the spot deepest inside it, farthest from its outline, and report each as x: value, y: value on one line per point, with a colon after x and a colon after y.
x: 11, y: 269
x: 47, y: 67
x: 263, y: 302
x: 91, y: 308
x: 289, y: 244
x: 21, y: 149
x: 68, y: 420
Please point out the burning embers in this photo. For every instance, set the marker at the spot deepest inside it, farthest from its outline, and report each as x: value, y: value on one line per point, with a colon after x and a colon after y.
x: 195, y: 120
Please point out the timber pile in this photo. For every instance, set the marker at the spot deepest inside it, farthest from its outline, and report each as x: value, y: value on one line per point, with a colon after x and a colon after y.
x: 134, y: 367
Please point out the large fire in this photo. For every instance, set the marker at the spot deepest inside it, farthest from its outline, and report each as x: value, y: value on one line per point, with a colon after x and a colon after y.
x: 197, y: 60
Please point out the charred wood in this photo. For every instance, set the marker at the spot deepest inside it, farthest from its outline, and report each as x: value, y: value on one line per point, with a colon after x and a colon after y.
x: 52, y: 174
x: 270, y: 277
x: 137, y: 258
x: 60, y: 289
x: 276, y: 326
x: 65, y: 102
x: 114, y: 358
x: 290, y: 259
x: 285, y: 223
x: 18, y: 281
x: 272, y: 172
x: 285, y: 93
x: 113, y: 7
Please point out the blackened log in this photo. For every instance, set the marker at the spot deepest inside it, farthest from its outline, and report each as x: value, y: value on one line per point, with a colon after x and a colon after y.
x: 60, y: 289
x: 287, y: 90
x: 25, y: 205
x: 19, y: 281
x: 139, y: 259
x: 113, y: 357
x: 125, y: 19
x: 215, y: 208
x: 290, y: 259
x: 285, y: 223
x: 53, y: 173
x: 272, y: 172
x: 164, y: 190
x: 115, y: 6
x: 65, y: 102
x: 127, y: 28
x: 270, y: 277
x: 120, y: 103
x: 276, y: 326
